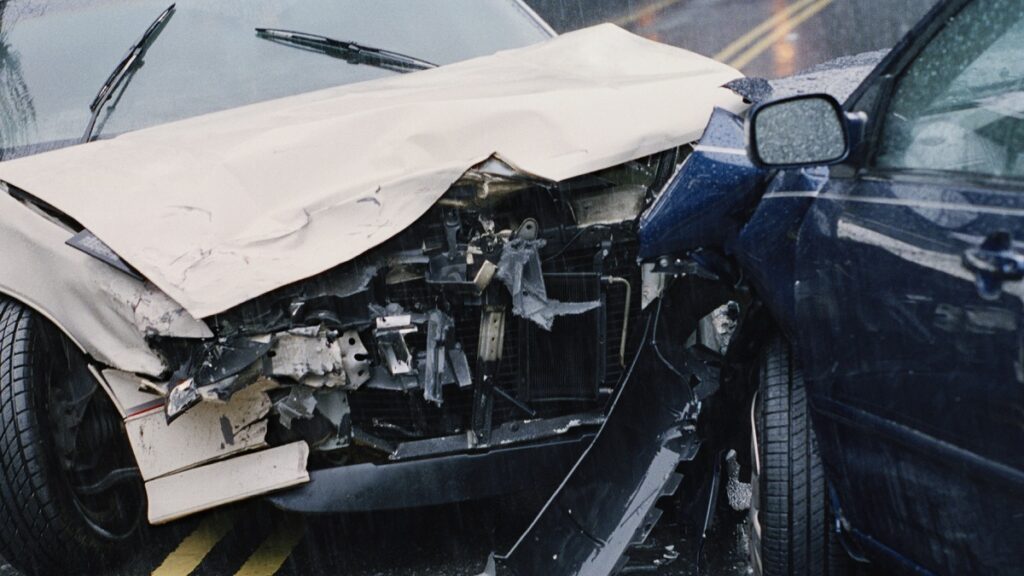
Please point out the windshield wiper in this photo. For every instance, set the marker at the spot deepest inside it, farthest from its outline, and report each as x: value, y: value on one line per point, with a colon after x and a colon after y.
x: 125, y: 69
x: 352, y: 52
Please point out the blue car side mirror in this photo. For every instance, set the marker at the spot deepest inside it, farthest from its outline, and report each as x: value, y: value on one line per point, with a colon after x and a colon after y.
x: 800, y: 131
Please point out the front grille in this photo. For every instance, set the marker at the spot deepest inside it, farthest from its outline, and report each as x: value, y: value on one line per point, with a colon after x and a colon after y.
x: 555, y: 373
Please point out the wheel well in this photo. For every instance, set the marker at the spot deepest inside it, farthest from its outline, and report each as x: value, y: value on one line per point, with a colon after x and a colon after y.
x: 94, y: 367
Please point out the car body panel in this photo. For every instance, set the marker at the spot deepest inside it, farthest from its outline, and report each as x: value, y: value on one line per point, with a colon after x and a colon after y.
x: 716, y: 184
x: 105, y: 311
x: 916, y: 378
x: 222, y: 208
x: 914, y: 370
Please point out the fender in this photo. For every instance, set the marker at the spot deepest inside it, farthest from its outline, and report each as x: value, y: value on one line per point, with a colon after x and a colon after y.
x: 104, y: 312
x: 706, y: 203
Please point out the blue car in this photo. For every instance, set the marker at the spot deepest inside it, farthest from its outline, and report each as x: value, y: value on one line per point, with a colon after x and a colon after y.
x: 880, y: 244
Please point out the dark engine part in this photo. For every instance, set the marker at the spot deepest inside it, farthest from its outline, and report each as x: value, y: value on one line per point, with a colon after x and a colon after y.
x: 500, y: 306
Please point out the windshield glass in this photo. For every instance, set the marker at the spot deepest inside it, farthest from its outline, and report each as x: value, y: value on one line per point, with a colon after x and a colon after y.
x: 55, y: 55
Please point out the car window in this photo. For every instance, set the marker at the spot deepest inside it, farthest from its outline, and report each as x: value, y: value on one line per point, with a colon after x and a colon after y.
x: 959, y: 106
x: 55, y: 54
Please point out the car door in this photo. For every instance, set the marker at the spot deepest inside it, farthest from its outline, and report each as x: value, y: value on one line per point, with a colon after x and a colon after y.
x: 909, y: 302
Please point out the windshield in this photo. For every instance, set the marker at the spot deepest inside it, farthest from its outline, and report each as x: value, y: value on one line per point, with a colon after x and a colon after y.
x: 55, y: 55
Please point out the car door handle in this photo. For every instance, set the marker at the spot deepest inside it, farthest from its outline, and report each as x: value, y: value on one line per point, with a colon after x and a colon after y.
x: 994, y: 262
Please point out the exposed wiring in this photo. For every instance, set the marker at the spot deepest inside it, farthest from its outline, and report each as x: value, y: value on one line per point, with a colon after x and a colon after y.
x: 572, y: 240
x: 654, y: 344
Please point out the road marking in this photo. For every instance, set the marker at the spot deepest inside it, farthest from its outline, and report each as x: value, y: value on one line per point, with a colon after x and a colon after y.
x: 787, y: 26
x: 740, y: 43
x: 190, y: 553
x: 270, y: 556
x: 645, y: 12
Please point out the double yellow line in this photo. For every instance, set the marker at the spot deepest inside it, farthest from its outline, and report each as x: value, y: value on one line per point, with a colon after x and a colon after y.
x: 265, y: 561
x: 746, y: 48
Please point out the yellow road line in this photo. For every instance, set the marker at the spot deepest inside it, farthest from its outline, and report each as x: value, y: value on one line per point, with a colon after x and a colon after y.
x: 270, y: 556
x: 645, y: 12
x: 779, y: 33
x: 741, y: 42
x: 187, y: 556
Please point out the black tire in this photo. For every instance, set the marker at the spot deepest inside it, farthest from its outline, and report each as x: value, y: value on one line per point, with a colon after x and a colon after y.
x: 790, y: 521
x: 51, y: 521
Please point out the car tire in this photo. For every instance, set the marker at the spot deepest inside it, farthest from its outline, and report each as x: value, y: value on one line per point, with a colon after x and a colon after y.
x: 53, y: 521
x: 790, y: 522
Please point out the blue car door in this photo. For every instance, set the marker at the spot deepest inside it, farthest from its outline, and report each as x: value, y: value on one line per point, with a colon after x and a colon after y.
x: 909, y: 302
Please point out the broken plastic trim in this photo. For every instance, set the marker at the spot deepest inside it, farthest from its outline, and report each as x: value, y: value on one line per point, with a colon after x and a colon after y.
x: 607, y: 502
x: 87, y: 242
x: 520, y: 271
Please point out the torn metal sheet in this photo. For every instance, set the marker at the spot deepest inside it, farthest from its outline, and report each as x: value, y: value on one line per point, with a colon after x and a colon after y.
x: 520, y: 271
x: 197, y: 489
x: 309, y: 357
x: 607, y: 502
x: 218, y: 209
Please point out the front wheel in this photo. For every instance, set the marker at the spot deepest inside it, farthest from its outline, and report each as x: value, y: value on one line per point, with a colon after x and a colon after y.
x: 70, y: 494
x: 789, y: 522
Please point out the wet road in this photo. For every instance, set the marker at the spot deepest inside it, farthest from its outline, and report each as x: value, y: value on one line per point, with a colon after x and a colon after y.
x: 254, y: 539
x: 769, y: 38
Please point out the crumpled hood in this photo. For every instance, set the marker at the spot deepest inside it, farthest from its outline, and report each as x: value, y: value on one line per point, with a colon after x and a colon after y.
x: 219, y: 209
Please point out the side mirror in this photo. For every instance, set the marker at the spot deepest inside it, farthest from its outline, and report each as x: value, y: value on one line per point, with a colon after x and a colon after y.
x: 806, y: 130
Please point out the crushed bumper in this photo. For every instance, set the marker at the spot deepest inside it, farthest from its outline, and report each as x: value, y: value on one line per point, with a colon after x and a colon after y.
x: 433, y: 481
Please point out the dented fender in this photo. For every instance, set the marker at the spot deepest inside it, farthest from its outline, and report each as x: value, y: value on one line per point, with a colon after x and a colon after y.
x: 704, y: 204
x: 104, y: 311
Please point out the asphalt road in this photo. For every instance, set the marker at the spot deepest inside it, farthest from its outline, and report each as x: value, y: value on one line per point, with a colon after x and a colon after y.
x: 769, y: 38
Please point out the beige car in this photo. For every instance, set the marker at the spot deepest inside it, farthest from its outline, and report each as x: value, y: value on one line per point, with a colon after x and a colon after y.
x: 379, y: 291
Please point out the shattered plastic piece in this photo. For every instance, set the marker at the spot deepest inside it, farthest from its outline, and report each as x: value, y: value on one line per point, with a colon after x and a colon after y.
x: 87, y: 242
x: 215, y: 372
x: 297, y: 405
x: 607, y: 502
x: 484, y: 275
x: 382, y: 379
x: 313, y: 360
x: 355, y: 358
x: 390, y: 334
x: 227, y: 358
x: 460, y: 366
x: 182, y: 397
x: 333, y: 405
x: 520, y: 271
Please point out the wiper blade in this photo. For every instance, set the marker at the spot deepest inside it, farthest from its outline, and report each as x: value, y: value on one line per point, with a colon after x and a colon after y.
x: 125, y: 69
x: 349, y: 51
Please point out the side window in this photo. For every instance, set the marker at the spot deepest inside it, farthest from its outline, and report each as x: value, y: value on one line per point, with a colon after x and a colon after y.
x: 959, y: 106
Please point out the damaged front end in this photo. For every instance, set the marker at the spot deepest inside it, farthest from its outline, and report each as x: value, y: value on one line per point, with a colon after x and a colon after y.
x: 502, y: 320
